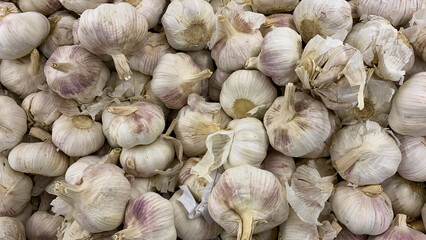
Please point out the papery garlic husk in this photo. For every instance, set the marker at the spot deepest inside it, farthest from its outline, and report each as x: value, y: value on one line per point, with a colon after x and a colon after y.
x: 280, y: 52
x: 132, y: 88
x: 60, y: 207
x: 115, y: 39
x: 322, y: 165
x: 408, y: 110
x: 13, y: 123
x: 247, y: 93
x: 277, y: 20
x: 195, y: 185
x: 23, y: 76
x: 43, y: 225
x: 325, y: 18
x: 269, y: 7
x: 413, y: 150
x: 280, y: 165
x: 416, y: 33
x: 137, y: 124
x: 79, y: 6
x: 61, y: 24
x: 33, y: 29
x: 175, y: 77
x: 399, y: 230
x: 407, y: 197
x: 383, y: 47
x: 295, y: 229
x: 242, y: 206
x: 150, y: 9
x: 109, y: 192
x: 140, y: 186
x: 345, y: 234
x: 192, y: 229
x: 334, y: 72
x: 148, y: 217
x: 204, y: 60
x: 363, y: 210
x: 41, y: 107
x: 77, y: 136
x: 146, y: 58
x: 296, y: 123
x: 11, y: 229
x: 45, y: 7
x: 216, y: 82
x: 365, y: 153
x: 188, y: 24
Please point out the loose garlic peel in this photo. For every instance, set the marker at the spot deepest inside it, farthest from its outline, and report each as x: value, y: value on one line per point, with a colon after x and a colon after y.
x: 399, y: 230
x: 11, y: 229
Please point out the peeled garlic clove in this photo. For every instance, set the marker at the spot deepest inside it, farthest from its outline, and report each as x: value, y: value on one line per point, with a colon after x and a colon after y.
x: 345, y: 234
x: 132, y: 88
x: 150, y: 9
x: 363, y: 210
x: 11, y: 229
x: 150, y: 216
x: 277, y: 20
x: 247, y: 93
x: 77, y: 136
x: 13, y: 123
x: 399, y: 230
x: 243, y: 206
x: 408, y: 110
x: 413, y: 150
x: 280, y: 165
x: 79, y: 6
x: 109, y: 190
x: 43, y: 225
x: 296, y: 123
x: 215, y: 84
x: 269, y: 7
x: 41, y: 107
x: 416, y: 33
x: 294, y: 228
x: 45, y: 7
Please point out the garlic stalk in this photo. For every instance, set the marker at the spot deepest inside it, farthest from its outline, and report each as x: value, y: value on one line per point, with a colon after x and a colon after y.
x: 11, y: 229
x: 280, y: 165
x: 266, y: 235
x: 41, y: 108
x: 416, y: 33
x: 13, y: 123
x: 269, y: 7
x: 277, y: 20
x: 413, y: 150
x: 150, y: 9
x: 79, y: 6
x: 43, y: 225
x: 215, y: 84
x: 45, y: 7
x: 345, y: 234
x: 294, y: 229
x: 399, y: 230
x: 204, y: 60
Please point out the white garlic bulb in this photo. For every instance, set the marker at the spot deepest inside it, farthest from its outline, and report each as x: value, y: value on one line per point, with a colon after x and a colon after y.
x: 280, y: 165
x: 363, y: 210
x: 13, y: 123
x: 75, y: 73
x: 175, y: 77
x: 365, y: 153
x: 413, y: 150
x: 148, y: 217
x: 78, y: 135
x: 408, y: 110
x: 109, y: 190
x: 45, y: 7
x: 280, y: 52
x: 215, y: 84
x: 188, y: 24
x: 79, y: 6
x: 296, y: 123
x: 41, y: 107
x: 43, y: 225
x: 122, y: 38
x: 247, y: 93
x: 295, y: 229
x: 23, y: 76
x: 11, y: 229
x: 269, y: 7
x: 150, y: 9
x: 399, y: 230
x: 324, y: 17
x: 416, y: 33
x: 345, y: 234
x: 277, y: 20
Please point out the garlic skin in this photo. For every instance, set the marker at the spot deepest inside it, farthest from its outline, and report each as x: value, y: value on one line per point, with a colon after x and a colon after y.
x: 109, y: 190
x: 150, y: 9
x: 247, y: 210
x: 13, y: 123
x: 345, y: 234
x: 43, y: 225
x: 195, y: 185
x: 399, y: 230
x: 269, y: 7
x: 216, y: 82
x: 280, y: 165
x: 75, y: 73
x: 324, y: 17
x: 45, y: 7
x: 23, y: 76
x: 192, y: 229
x: 123, y: 90
x: 413, y: 150
x: 408, y: 110
x: 363, y: 210
x: 365, y: 153
x: 416, y: 33
x: 41, y: 107
x: 296, y: 123
x: 247, y: 93
x: 79, y: 6
x: 34, y: 28
x: 277, y: 20
x: 148, y: 217
x: 280, y: 52
x: 188, y: 24
x: 175, y: 77
x: 11, y: 229
x: 294, y: 229
x: 77, y: 136
x: 115, y: 39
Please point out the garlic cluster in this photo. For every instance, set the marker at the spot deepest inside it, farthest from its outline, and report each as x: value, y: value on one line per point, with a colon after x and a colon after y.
x: 413, y: 150
x: 11, y: 229
x: 13, y: 123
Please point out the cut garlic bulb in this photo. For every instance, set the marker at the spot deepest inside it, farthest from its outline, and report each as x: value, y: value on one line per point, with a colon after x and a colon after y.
x: 11, y: 229
x: 13, y: 123
x: 280, y: 165
x: 43, y: 225
x: 215, y: 84
x: 399, y: 230
x: 413, y: 150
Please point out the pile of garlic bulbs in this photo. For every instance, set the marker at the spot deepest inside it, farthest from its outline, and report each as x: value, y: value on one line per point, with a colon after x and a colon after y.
x: 212, y: 119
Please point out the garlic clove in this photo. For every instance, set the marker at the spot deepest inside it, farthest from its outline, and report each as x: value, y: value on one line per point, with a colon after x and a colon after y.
x: 45, y: 7
x: 215, y: 84
x: 43, y: 225
x: 413, y: 150
x: 399, y: 230
x: 13, y: 123
x: 11, y: 229
x: 280, y: 165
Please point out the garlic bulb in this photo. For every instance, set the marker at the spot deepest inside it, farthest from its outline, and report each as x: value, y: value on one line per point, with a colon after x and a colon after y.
x: 269, y: 7
x: 75, y: 231
x: 247, y: 93
x: 295, y: 229
x: 345, y: 234
x: 140, y: 186
x: 195, y: 185
x: 148, y: 217
x: 23, y: 76
x: 188, y: 24
x: 150, y: 9
x: 363, y: 210
x: 192, y: 229
x: 33, y: 29
x: 413, y: 150
x: 324, y: 17
x: 122, y: 38
x: 277, y: 20
x: 78, y: 135
x: 280, y: 52
x: 109, y: 192
x: 406, y: 197
x: 215, y: 84
x: 175, y: 77
x: 123, y: 90
x: 408, y: 110
x: 61, y: 24
x: 11, y: 229
x: 416, y: 33
x: 46, y: 7
x: 365, y: 153
x: 43, y: 225
x: 399, y: 230
x: 41, y: 107
x: 280, y: 165
x: 75, y: 73
x: 146, y: 58
x: 136, y: 124
x: 296, y: 123
x: 242, y: 206
x: 13, y: 123
x: 79, y: 6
